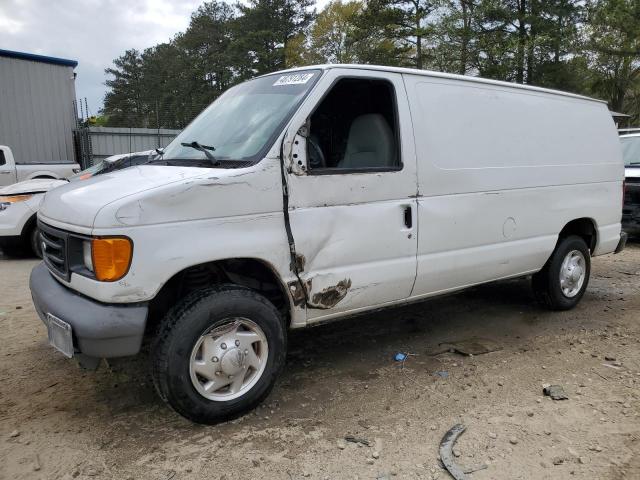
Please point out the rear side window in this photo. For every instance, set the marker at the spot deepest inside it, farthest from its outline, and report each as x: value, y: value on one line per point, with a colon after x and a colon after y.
x: 355, y: 128
x: 631, y: 151
x: 2, y: 160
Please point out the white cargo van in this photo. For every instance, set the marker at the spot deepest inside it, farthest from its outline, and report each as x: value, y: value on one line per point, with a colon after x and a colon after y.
x: 318, y: 193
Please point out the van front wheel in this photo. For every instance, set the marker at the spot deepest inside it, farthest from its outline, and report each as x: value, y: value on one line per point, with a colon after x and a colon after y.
x: 563, y: 280
x: 218, y: 353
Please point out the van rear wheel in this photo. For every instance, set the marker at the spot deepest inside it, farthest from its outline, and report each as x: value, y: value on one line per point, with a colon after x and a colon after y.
x: 563, y: 280
x: 218, y: 353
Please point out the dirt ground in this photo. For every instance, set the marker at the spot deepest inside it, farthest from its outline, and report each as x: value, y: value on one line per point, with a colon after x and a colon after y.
x: 58, y: 422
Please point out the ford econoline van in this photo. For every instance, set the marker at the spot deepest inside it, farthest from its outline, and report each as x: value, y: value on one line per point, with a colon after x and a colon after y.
x: 318, y: 193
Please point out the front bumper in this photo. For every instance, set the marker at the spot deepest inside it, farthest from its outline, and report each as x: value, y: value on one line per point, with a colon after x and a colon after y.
x: 99, y: 330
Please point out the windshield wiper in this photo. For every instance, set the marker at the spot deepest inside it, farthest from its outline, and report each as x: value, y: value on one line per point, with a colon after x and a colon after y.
x: 204, y: 149
x: 634, y: 163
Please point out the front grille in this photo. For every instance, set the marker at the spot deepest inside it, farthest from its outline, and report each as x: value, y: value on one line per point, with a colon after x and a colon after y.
x: 54, y: 249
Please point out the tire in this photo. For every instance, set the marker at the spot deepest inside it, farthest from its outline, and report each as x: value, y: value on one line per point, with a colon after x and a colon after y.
x: 175, y: 355
x: 548, y: 287
x: 34, y: 242
x: 14, y: 251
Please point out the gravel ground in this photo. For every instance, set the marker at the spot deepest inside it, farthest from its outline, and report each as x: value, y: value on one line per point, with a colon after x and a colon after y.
x: 58, y: 422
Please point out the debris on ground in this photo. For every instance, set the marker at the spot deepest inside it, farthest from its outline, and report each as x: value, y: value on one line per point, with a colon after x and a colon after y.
x: 400, y: 357
x: 362, y: 441
x: 446, y: 451
x: 556, y: 392
x: 470, y: 347
x: 442, y: 374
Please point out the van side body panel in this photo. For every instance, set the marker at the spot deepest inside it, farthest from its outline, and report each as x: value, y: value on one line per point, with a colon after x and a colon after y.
x: 350, y: 227
x: 500, y: 172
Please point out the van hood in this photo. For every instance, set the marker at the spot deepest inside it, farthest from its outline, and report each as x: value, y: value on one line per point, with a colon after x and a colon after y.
x: 78, y: 203
x: 37, y: 185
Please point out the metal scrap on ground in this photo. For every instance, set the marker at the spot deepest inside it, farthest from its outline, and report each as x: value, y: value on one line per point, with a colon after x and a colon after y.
x: 446, y: 451
x: 353, y: 439
x: 446, y: 454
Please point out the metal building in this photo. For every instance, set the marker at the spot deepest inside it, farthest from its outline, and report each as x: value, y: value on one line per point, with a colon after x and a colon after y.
x: 37, y: 114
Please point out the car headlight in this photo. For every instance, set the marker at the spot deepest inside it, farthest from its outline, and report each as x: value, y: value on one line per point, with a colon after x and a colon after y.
x: 6, y: 200
x: 14, y: 198
x: 109, y: 258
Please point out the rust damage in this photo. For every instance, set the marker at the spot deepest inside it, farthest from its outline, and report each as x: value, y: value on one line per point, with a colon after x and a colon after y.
x: 330, y: 296
x: 299, y: 292
x: 300, y: 262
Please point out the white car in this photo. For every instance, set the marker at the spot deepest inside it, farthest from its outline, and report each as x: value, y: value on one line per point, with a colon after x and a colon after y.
x: 12, y: 171
x: 19, y: 203
x: 318, y: 193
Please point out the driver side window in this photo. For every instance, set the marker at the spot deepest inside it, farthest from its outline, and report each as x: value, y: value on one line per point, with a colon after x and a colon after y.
x: 355, y: 129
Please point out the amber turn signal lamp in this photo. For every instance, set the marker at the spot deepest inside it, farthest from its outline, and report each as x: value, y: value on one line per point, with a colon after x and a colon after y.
x: 111, y: 258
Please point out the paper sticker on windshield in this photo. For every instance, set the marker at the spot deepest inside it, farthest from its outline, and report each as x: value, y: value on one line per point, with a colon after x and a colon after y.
x: 293, y: 79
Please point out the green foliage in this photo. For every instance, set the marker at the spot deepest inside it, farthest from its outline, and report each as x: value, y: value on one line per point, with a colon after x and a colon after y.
x: 332, y: 38
x: 613, y: 39
x: 590, y: 47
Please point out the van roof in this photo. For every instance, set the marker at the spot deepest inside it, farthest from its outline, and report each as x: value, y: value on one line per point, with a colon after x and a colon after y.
x: 430, y: 73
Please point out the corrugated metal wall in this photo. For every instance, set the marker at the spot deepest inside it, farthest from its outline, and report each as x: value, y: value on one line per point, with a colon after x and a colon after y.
x: 37, y: 116
x: 106, y: 141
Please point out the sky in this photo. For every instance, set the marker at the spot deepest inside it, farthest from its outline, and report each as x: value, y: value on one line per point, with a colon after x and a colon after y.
x: 92, y: 32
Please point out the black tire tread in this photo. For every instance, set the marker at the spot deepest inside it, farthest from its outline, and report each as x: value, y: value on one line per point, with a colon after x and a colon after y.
x: 160, y: 343
x: 543, y: 281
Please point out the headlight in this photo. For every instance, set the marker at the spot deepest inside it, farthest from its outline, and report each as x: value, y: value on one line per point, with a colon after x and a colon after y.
x: 6, y: 200
x: 110, y: 257
x: 14, y: 198
x: 86, y: 255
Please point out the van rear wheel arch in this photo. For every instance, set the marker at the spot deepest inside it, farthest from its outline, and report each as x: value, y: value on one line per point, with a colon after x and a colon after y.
x: 584, y: 227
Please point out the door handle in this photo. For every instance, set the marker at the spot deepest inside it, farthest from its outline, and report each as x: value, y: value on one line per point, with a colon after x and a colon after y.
x: 5, y: 172
x: 408, y: 217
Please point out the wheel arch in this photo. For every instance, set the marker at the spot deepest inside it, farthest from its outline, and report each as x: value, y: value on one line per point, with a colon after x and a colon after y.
x: 254, y: 273
x: 584, y: 227
x: 28, y: 225
x: 42, y: 175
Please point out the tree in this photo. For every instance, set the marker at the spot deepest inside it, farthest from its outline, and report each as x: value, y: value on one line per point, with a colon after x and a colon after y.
x: 455, y: 37
x: 124, y: 102
x: 264, y: 29
x: 207, y: 46
x: 398, y: 30
x: 332, y: 35
x: 613, y: 38
x: 586, y: 47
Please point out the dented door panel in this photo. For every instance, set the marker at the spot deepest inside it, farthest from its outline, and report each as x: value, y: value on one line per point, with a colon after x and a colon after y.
x: 350, y: 229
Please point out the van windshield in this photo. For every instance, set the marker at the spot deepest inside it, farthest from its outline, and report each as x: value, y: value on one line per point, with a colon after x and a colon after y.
x: 244, y: 121
x: 631, y: 151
